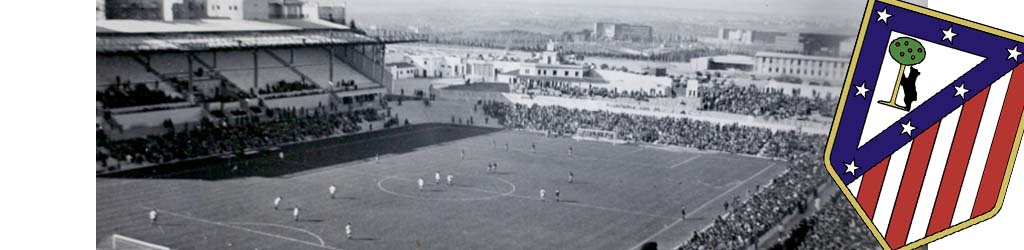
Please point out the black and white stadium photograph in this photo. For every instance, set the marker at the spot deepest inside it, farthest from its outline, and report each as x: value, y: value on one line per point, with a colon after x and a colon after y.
x: 514, y: 124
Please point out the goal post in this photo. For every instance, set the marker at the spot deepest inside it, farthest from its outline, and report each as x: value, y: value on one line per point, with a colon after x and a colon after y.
x: 585, y: 134
x: 121, y: 242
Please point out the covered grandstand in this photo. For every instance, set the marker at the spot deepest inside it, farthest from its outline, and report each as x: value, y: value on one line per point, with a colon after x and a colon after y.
x: 154, y: 72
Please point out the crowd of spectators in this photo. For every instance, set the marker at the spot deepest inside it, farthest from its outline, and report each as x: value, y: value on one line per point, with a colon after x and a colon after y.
x: 746, y: 220
x: 751, y: 100
x: 578, y: 92
x: 222, y: 92
x: 277, y: 126
x: 635, y: 128
x: 286, y: 86
x: 836, y: 226
x: 131, y: 95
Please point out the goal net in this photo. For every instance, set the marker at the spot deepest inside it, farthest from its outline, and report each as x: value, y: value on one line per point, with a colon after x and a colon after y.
x: 598, y: 135
x: 121, y: 242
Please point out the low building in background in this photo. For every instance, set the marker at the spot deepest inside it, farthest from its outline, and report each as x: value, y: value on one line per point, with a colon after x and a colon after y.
x: 280, y: 9
x: 549, y: 74
x: 402, y: 70
x: 170, y: 10
x: 811, y: 67
x: 815, y: 43
x: 727, y: 62
x: 141, y: 9
x: 656, y: 71
x: 436, y: 65
x: 332, y: 13
x: 623, y: 32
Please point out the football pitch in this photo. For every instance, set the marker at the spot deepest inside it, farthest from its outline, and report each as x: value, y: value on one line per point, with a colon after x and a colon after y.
x: 622, y: 195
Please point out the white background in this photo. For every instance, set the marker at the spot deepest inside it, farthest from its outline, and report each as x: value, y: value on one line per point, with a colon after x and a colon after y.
x: 47, y: 184
x: 1003, y: 230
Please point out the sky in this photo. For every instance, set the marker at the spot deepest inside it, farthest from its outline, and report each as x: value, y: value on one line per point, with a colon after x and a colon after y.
x: 788, y: 7
x: 533, y: 14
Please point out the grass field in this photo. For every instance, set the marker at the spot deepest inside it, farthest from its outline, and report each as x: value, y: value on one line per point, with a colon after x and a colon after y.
x: 623, y: 195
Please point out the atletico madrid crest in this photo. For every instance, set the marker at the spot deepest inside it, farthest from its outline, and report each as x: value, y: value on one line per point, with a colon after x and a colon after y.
x: 929, y: 123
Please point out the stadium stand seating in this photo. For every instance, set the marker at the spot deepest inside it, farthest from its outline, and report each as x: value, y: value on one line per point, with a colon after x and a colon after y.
x: 110, y: 68
x: 170, y: 63
x: 307, y: 56
x: 240, y: 60
x: 243, y: 78
x: 206, y: 138
x: 313, y: 62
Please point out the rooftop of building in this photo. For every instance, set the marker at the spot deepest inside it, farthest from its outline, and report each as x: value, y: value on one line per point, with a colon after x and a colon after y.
x: 733, y: 59
x: 844, y: 32
x: 799, y: 56
x: 401, y: 65
x: 591, y: 79
x: 559, y: 66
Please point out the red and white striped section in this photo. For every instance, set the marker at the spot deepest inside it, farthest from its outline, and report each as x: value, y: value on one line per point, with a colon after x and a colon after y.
x: 950, y: 173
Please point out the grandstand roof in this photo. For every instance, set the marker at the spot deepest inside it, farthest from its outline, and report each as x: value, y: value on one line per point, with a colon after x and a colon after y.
x: 799, y: 56
x: 116, y: 36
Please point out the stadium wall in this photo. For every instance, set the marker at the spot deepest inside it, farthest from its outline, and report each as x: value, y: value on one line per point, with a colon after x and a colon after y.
x: 308, y: 101
x: 467, y: 96
x: 156, y: 118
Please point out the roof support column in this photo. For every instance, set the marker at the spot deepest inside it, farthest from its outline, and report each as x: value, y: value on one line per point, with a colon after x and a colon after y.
x: 188, y: 89
x: 255, y: 70
x: 330, y: 65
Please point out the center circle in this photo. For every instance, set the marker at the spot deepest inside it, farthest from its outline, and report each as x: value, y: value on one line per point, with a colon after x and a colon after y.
x: 464, y: 188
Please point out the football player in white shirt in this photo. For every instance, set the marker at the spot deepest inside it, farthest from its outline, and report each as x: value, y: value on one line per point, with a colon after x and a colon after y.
x: 152, y: 216
x: 348, y: 230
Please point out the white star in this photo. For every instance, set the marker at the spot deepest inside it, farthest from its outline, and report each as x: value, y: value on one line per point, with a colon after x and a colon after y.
x: 862, y: 91
x: 907, y: 128
x: 851, y: 167
x: 1013, y: 53
x: 948, y: 34
x: 883, y: 16
x: 960, y: 91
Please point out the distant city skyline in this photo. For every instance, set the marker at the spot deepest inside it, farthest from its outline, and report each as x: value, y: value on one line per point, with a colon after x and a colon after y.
x: 553, y: 16
x: 787, y: 7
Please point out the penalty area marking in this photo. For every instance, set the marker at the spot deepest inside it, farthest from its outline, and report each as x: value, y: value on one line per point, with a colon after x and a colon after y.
x: 321, y: 240
x: 688, y: 160
x: 192, y: 218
